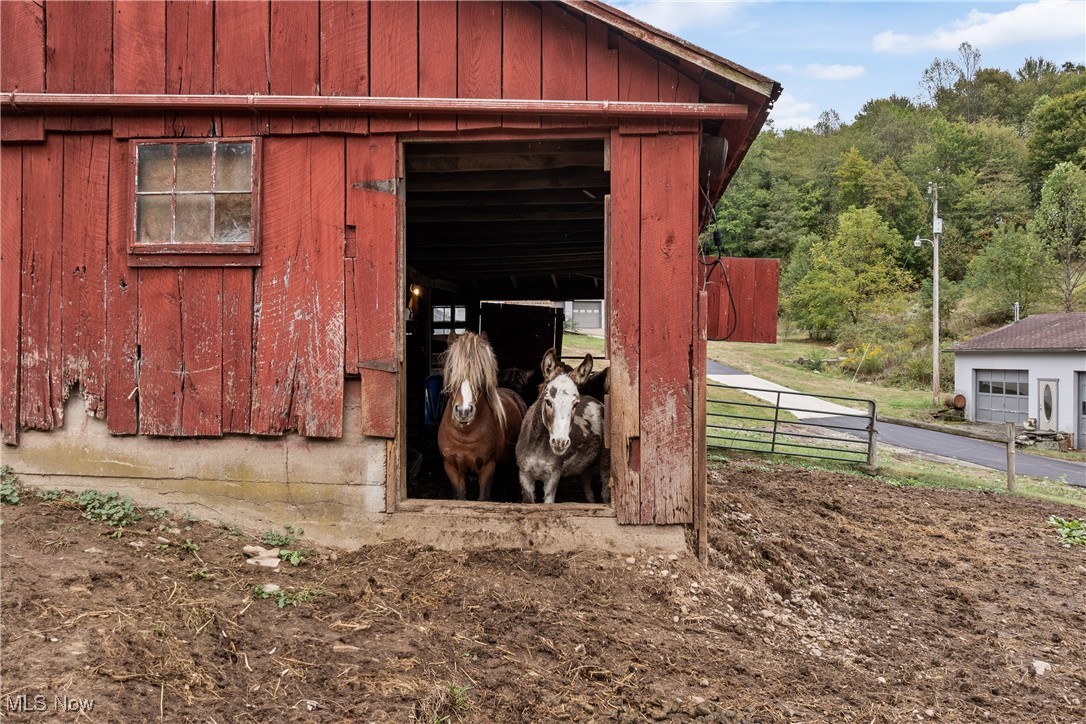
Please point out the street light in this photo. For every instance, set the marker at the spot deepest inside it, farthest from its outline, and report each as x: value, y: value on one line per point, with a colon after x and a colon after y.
x: 917, y: 242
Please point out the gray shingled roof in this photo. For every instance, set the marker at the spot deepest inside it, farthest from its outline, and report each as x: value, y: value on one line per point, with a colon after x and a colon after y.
x: 1039, y: 332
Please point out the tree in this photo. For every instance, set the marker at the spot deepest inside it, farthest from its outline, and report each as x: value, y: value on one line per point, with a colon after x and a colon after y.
x: 1013, y: 267
x: 1059, y: 133
x: 829, y: 122
x: 852, y: 176
x: 852, y: 276
x: 1060, y: 224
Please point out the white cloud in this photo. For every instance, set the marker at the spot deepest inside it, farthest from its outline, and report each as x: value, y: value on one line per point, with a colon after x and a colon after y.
x: 1028, y: 22
x: 818, y: 71
x: 680, y: 16
x: 791, y: 112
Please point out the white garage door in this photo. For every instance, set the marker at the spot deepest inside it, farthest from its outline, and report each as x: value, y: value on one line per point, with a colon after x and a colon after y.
x: 1002, y: 396
x: 587, y: 314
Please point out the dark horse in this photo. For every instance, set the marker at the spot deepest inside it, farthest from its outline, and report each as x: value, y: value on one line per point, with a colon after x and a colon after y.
x: 481, y: 422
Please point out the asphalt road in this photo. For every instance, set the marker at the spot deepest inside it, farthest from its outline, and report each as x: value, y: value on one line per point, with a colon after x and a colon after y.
x: 978, y: 452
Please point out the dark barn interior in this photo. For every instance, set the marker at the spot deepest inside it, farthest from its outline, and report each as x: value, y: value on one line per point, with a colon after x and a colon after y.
x: 494, y: 221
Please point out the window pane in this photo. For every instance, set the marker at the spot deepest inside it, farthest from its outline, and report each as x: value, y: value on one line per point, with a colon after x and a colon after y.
x: 153, y: 219
x: 233, y: 218
x: 193, y: 218
x: 234, y: 167
x: 984, y: 387
x: 1010, y: 388
x: 155, y: 167
x: 461, y: 314
x: 194, y: 167
x: 997, y: 388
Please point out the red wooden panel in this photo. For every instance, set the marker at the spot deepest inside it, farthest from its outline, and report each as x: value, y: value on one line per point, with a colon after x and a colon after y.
x: 298, y: 375
x: 190, y: 60
x: 668, y: 240
x: 717, y: 299
x: 394, y: 59
x: 700, y: 463
x: 376, y: 284
x: 78, y: 47
x: 753, y: 285
x: 437, y: 59
x: 78, y: 56
x: 121, y: 300
x: 237, y: 348
x: 624, y: 273
x: 139, y: 62
x: 638, y: 80
x: 22, y: 47
x: 345, y: 69
x: 295, y: 60
x: 352, y: 298
x: 82, y: 321
x: 22, y: 64
x: 40, y: 378
x: 161, y: 366
x: 522, y: 59
x: 11, y: 238
x: 767, y: 284
x: 479, y: 57
x: 242, y: 31
x: 743, y: 278
x: 201, y: 351
x: 564, y: 58
x: 602, y: 63
x: 180, y: 337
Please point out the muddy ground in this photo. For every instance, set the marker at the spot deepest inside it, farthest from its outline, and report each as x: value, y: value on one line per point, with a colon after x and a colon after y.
x: 828, y: 598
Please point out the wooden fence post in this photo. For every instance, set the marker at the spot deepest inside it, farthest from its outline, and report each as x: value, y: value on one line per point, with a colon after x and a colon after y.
x: 1010, y: 456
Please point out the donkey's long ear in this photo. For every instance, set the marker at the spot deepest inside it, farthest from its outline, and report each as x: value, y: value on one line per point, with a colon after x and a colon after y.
x: 581, y: 374
x: 550, y: 366
x: 451, y: 338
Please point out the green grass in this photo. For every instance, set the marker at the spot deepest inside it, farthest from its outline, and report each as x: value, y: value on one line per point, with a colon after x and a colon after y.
x: 777, y: 363
x: 578, y: 345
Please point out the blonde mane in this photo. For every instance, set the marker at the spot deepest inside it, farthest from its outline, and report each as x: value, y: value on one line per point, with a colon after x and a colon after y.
x: 469, y: 357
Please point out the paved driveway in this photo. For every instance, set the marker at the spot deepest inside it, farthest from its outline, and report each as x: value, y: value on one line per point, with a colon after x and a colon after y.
x: 969, y: 450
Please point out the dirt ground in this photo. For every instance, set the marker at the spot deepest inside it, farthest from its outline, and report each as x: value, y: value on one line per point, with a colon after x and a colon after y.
x: 828, y: 598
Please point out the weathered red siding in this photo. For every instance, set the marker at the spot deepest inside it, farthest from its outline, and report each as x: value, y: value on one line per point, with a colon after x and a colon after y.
x: 749, y: 312
x: 211, y: 347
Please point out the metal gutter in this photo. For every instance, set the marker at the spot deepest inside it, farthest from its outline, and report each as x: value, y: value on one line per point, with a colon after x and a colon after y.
x: 369, y: 104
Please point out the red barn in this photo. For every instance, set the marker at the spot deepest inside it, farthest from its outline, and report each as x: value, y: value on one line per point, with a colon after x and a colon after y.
x: 232, y: 230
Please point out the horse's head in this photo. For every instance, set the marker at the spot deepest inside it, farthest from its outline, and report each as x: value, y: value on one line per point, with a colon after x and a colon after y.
x: 560, y: 401
x: 471, y: 373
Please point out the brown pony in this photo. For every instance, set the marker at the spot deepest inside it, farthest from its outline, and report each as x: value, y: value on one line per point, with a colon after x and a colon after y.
x: 481, y: 422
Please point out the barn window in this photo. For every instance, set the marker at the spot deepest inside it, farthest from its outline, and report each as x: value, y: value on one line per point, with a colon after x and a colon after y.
x: 196, y: 197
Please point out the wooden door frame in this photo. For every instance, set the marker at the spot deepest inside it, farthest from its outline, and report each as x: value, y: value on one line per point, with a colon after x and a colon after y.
x: 396, y: 459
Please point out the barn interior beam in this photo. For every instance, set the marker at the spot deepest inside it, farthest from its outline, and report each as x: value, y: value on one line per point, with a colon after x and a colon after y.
x: 508, y: 219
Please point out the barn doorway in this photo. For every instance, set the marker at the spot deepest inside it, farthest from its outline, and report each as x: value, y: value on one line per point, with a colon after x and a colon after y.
x: 499, y: 236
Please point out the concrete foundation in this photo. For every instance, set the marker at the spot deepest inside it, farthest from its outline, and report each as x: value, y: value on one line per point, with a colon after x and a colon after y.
x: 334, y: 489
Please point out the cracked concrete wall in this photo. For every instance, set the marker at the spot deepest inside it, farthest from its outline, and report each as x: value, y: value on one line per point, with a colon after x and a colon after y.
x: 237, y: 478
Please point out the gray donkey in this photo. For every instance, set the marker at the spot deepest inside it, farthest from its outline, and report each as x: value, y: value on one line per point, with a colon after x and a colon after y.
x: 562, y: 434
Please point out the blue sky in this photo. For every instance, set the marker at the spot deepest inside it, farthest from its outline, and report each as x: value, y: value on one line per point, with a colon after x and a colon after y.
x: 841, y: 54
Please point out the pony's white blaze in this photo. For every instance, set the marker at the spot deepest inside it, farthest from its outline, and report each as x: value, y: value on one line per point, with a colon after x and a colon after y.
x: 465, y: 411
x: 561, y: 401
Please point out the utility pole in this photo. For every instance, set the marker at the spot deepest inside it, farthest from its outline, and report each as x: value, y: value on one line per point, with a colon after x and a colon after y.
x: 936, y: 232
